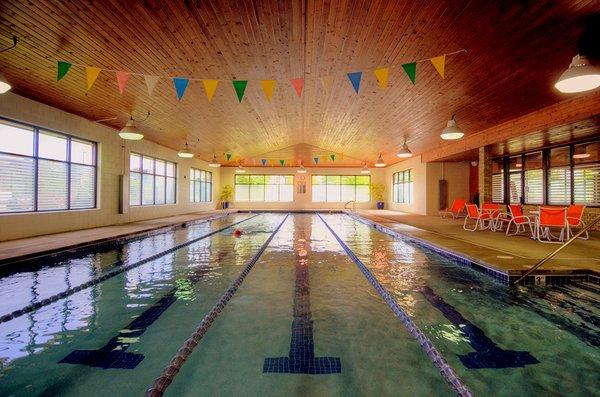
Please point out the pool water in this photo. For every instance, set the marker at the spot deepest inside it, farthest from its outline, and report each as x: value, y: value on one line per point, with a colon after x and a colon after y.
x: 305, y: 320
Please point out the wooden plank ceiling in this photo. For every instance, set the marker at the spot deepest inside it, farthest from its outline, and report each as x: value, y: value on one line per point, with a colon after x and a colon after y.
x: 515, y: 52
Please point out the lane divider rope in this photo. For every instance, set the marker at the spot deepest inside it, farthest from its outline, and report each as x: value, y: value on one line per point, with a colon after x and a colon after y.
x: 438, y: 360
x: 107, y: 275
x: 166, y: 378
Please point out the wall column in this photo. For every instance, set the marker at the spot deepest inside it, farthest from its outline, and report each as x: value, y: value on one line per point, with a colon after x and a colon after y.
x: 485, y: 174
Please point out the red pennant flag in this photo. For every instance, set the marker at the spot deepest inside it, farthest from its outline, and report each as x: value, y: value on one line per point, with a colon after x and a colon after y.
x: 122, y: 79
x: 298, y: 84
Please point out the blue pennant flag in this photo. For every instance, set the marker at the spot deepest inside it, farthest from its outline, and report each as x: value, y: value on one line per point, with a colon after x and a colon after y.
x: 355, y: 80
x: 180, y: 86
x: 263, y: 161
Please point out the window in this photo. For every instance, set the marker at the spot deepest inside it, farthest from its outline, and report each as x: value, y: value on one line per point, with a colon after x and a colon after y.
x: 267, y: 188
x: 42, y: 170
x: 341, y: 188
x: 151, y: 181
x: 402, y: 187
x: 200, y: 186
x: 560, y: 175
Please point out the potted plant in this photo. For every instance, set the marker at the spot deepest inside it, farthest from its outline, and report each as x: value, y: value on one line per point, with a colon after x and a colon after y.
x: 226, y: 194
x: 378, y: 190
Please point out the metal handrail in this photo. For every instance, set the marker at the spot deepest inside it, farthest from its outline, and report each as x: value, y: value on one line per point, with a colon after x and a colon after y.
x: 353, y: 205
x: 556, y: 251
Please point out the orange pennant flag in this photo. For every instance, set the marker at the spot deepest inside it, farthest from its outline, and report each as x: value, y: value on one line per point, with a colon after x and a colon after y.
x: 327, y: 82
x: 382, y: 76
x: 122, y: 79
x: 91, y: 75
x: 439, y: 63
x: 298, y: 84
x: 150, y: 83
x: 268, y: 87
x: 210, y: 87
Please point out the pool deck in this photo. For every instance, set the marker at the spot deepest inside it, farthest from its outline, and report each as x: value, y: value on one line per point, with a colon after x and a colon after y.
x: 28, y: 248
x: 509, y: 255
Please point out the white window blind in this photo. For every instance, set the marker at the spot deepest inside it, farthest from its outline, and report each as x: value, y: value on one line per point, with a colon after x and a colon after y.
x: 559, y: 186
x: 586, y: 184
x: 498, y: 188
x: 534, y: 186
x: 17, y: 183
x: 83, y: 180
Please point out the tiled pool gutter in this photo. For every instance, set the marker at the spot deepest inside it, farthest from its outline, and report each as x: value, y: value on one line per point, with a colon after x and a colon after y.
x: 503, y: 277
x: 438, y: 360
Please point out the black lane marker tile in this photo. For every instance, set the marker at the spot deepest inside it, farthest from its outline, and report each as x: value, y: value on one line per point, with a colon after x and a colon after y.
x: 487, y: 354
x: 114, y: 354
x: 301, y: 358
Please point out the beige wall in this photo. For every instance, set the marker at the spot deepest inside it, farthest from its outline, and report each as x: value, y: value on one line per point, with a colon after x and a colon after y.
x: 419, y: 196
x: 112, y: 153
x: 301, y: 201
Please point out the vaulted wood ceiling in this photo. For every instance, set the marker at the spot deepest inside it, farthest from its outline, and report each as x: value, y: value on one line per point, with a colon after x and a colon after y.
x: 515, y: 52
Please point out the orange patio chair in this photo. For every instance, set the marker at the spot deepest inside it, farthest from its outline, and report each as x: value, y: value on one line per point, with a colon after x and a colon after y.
x: 479, y: 217
x: 456, y: 209
x: 574, y: 217
x: 519, y: 220
x: 548, y: 219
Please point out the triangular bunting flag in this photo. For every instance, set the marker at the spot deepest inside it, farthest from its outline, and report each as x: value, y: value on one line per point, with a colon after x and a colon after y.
x: 282, y: 162
x: 91, y: 74
x: 382, y: 76
x: 263, y: 161
x: 355, y: 80
x: 298, y: 84
x: 268, y: 87
x: 240, y: 88
x: 63, y: 68
x: 180, y: 86
x: 150, y: 83
x: 327, y: 82
x: 439, y: 63
x: 122, y: 79
x: 228, y: 156
x: 210, y: 87
x: 411, y: 71
x: 316, y: 160
x: 332, y: 157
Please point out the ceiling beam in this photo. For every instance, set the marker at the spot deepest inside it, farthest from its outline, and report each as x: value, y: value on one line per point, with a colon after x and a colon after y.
x: 567, y: 111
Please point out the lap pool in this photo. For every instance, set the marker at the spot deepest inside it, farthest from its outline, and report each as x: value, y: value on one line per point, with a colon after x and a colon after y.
x: 298, y: 305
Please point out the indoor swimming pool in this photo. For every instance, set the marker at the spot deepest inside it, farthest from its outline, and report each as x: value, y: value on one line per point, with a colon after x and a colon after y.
x: 323, y: 305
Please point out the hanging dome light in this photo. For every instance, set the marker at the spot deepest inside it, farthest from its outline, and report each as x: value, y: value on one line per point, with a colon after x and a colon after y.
x: 4, y: 85
x: 579, y: 77
x: 214, y: 163
x: 451, y: 131
x: 365, y: 170
x: 130, y: 132
x: 380, y: 163
x: 581, y: 154
x: 404, y: 152
x: 240, y: 170
x: 301, y: 170
x: 185, y: 152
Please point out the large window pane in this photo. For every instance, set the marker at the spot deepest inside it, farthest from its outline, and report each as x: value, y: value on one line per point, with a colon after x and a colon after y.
x: 334, y: 193
x: 16, y: 139
x: 514, y: 185
x: 286, y: 193
x: 52, y: 146
x: 271, y: 192
x: 242, y: 192
x: 319, y: 193
x: 559, y: 186
x: 257, y: 192
x: 83, y: 187
x: 159, y: 189
x: 16, y: 183
x: 586, y: 184
x: 148, y: 165
x: 363, y: 194
x: 135, y: 188
x: 135, y: 163
x: 348, y: 192
x: 147, y: 189
x: 82, y: 152
x: 171, y: 190
x: 52, y: 185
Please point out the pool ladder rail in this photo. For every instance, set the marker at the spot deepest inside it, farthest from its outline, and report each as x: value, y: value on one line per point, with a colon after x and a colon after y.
x: 353, y: 205
x: 556, y: 251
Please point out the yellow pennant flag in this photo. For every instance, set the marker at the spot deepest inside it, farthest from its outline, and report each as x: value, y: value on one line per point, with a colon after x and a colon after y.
x: 91, y: 74
x: 439, y: 63
x: 268, y: 86
x: 382, y: 76
x: 327, y: 82
x: 210, y: 87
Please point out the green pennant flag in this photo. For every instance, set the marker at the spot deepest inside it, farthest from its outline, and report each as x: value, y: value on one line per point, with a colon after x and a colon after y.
x: 332, y: 157
x: 282, y: 162
x: 411, y: 71
x: 240, y: 88
x: 63, y: 68
x: 228, y: 155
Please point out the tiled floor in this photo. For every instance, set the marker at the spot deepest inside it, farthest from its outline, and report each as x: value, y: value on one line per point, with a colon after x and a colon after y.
x: 494, y: 249
x: 32, y: 246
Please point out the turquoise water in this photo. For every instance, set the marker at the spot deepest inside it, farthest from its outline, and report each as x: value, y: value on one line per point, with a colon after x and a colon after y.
x: 304, y: 296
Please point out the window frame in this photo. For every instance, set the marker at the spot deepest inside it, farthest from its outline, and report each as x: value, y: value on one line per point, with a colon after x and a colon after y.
x: 202, y: 183
x: 264, y: 190
x: 36, y: 130
x: 401, y: 179
x: 141, y: 173
x: 546, y: 168
x: 326, y: 184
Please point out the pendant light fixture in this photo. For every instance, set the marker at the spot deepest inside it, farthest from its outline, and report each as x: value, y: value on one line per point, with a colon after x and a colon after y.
x: 379, y: 163
x: 365, y: 170
x: 130, y: 132
x: 4, y: 85
x: 451, y: 132
x: 185, y: 152
x: 581, y: 152
x: 579, y: 77
x: 404, y: 152
x: 240, y: 169
x: 301, y: 170
x: 214, y: 163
